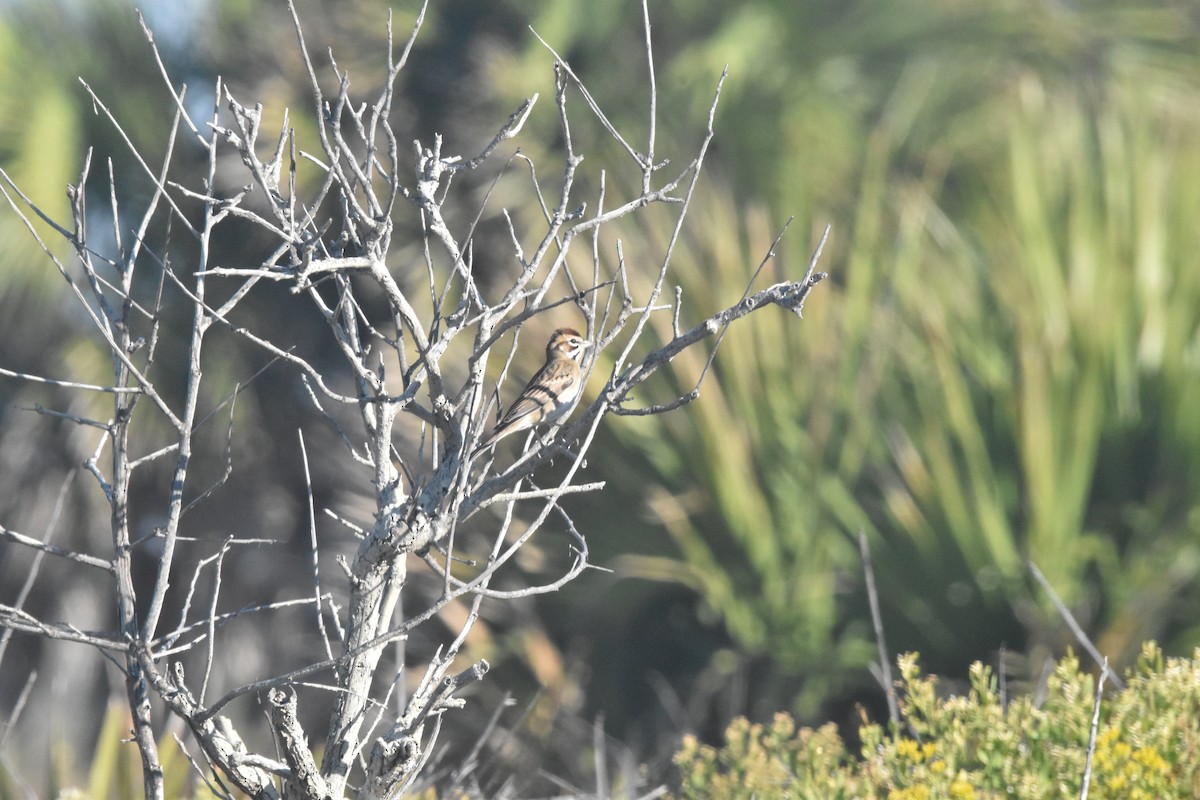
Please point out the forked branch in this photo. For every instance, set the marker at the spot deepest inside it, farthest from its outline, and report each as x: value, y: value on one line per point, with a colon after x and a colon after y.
x: 403, y: 381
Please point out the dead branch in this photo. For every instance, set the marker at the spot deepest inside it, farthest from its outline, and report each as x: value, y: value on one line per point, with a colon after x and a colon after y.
x: 331, y: 242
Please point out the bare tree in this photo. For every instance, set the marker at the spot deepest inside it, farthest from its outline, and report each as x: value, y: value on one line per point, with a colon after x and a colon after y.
x: 415, y: 432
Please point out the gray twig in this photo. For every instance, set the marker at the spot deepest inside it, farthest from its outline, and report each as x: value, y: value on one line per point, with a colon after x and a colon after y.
x: 1072, y: 623
x: 1091, y: 748
x: 885, y: 659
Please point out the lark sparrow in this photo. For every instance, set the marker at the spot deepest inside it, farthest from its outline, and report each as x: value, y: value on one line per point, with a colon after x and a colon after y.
x: 549, y: 393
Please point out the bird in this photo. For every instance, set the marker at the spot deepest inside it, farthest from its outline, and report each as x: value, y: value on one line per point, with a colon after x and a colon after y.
x: 549, y: 393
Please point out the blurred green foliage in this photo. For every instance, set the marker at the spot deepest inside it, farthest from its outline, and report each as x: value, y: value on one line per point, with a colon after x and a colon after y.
x: 114, y: 769
x: 1007, y: 365
x: 978, y: 746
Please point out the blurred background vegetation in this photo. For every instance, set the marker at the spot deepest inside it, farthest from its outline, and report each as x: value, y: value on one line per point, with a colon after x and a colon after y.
x: 1004, y: 367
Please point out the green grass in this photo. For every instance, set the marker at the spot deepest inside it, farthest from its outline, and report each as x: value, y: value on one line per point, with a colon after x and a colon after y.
x: 1005, y: 367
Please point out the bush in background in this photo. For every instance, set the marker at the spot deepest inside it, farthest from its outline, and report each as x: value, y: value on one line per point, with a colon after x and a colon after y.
x: 978, y: 745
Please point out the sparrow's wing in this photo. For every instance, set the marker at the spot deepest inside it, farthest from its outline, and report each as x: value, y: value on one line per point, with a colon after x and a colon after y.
x: 554, y: 385
x: 540, y: 396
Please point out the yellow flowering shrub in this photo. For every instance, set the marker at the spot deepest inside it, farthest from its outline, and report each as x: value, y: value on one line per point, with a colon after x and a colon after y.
x: 976, y: 747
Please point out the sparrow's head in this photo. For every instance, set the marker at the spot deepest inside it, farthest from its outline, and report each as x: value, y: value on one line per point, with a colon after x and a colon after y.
x: 566, y: 343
